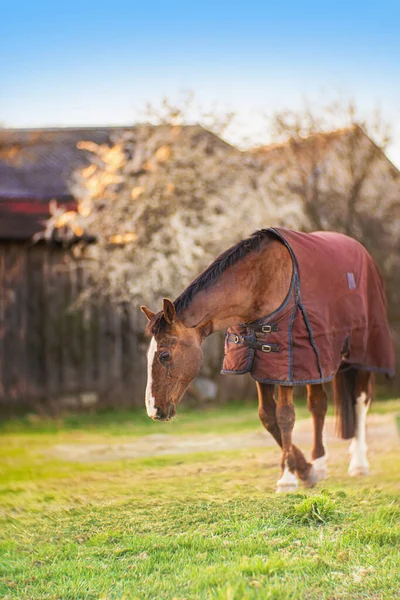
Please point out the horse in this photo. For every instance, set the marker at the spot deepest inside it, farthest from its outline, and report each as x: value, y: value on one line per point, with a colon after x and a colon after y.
x: 299, y: 309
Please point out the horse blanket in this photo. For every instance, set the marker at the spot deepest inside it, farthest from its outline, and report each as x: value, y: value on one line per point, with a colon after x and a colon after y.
x: 334, y: 315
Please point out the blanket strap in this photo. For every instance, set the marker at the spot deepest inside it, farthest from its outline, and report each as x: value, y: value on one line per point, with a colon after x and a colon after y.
x: 265, y: 328
x: 252, y: 342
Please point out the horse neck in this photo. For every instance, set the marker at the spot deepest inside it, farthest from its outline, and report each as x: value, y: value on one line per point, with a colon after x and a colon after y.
x: 252, y: 288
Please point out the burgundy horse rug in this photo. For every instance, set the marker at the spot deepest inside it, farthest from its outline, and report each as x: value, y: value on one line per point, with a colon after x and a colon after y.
x: 334, y: 315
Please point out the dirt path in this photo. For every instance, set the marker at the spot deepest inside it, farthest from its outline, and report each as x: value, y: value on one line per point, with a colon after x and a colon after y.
x: 382, y: 435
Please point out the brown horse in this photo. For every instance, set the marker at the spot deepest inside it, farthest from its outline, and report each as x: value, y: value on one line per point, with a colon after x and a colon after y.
x: 301, y: 309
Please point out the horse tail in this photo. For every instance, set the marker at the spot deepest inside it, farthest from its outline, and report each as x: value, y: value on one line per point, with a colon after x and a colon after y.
x: 344, y: 394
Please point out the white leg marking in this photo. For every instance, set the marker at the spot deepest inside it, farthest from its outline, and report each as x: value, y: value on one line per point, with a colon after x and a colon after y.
x: 312, y: 478
x: 359, y: 464
x: 321, y: 463
x: 321, y: 466
x: 150, y: 401
x: 287, y: 483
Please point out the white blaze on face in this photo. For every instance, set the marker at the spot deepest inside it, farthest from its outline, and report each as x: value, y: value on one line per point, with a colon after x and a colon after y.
x: 150, y: 401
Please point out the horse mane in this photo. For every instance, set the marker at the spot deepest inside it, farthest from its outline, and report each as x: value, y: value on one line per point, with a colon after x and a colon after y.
x: 225, y: 260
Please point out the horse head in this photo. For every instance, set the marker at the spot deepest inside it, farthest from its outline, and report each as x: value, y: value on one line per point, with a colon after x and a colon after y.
x: 174, y: 359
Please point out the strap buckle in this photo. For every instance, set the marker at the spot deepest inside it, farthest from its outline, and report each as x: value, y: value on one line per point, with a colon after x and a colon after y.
x: 236, y: 339
x: 266, y: 348
x: 266, y: 328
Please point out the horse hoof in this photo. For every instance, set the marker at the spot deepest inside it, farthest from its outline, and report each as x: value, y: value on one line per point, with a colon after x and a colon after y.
x: 312, y: 478
x: 358, y: 470
x: 321, y: 467
x: 287, y: 483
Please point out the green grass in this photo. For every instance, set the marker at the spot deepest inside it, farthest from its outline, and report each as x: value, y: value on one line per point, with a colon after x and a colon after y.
x: 206, y: 526
x: 135, y: 422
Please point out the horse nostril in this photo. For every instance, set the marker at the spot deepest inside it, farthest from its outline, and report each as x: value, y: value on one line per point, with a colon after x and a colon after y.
x: 165, y: 415
x: 160, y: 414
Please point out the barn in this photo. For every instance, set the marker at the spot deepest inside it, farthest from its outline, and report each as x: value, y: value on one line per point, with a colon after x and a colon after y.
x: 52, y: 356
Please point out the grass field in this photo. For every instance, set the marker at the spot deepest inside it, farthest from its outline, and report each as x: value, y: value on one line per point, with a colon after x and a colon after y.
x: 190, y: 526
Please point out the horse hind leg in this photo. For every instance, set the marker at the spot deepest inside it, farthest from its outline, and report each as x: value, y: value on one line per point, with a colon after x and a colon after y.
x: 359, y: 464
x: 317, y: 401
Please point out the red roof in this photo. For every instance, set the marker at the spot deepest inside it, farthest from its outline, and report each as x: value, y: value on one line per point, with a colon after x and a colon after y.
x: 21, y: 218
x: 36, y: 166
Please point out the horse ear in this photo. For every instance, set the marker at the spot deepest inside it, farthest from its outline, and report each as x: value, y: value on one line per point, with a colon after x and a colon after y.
x: 169, y: 311
x: 149, y: 313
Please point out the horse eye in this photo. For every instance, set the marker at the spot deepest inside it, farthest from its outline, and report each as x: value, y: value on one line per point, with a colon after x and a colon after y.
x: 164, y: 356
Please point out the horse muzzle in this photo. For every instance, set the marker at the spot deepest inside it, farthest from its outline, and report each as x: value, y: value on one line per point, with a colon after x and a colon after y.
x: 165, y: 414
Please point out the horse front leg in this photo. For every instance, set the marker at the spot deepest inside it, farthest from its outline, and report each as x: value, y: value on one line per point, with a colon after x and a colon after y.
x: 293, y: 460
x: 267, y: 410
x: 317, y: 401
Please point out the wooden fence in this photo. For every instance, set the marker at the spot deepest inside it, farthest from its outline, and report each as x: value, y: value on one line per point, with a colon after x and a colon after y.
x: 50, y: 353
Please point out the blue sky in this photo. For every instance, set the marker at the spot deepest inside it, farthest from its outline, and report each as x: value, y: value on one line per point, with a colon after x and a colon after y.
x: 89, y: 63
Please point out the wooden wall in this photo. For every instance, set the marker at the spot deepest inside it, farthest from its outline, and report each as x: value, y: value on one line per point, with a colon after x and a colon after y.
x: 51, y: 354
